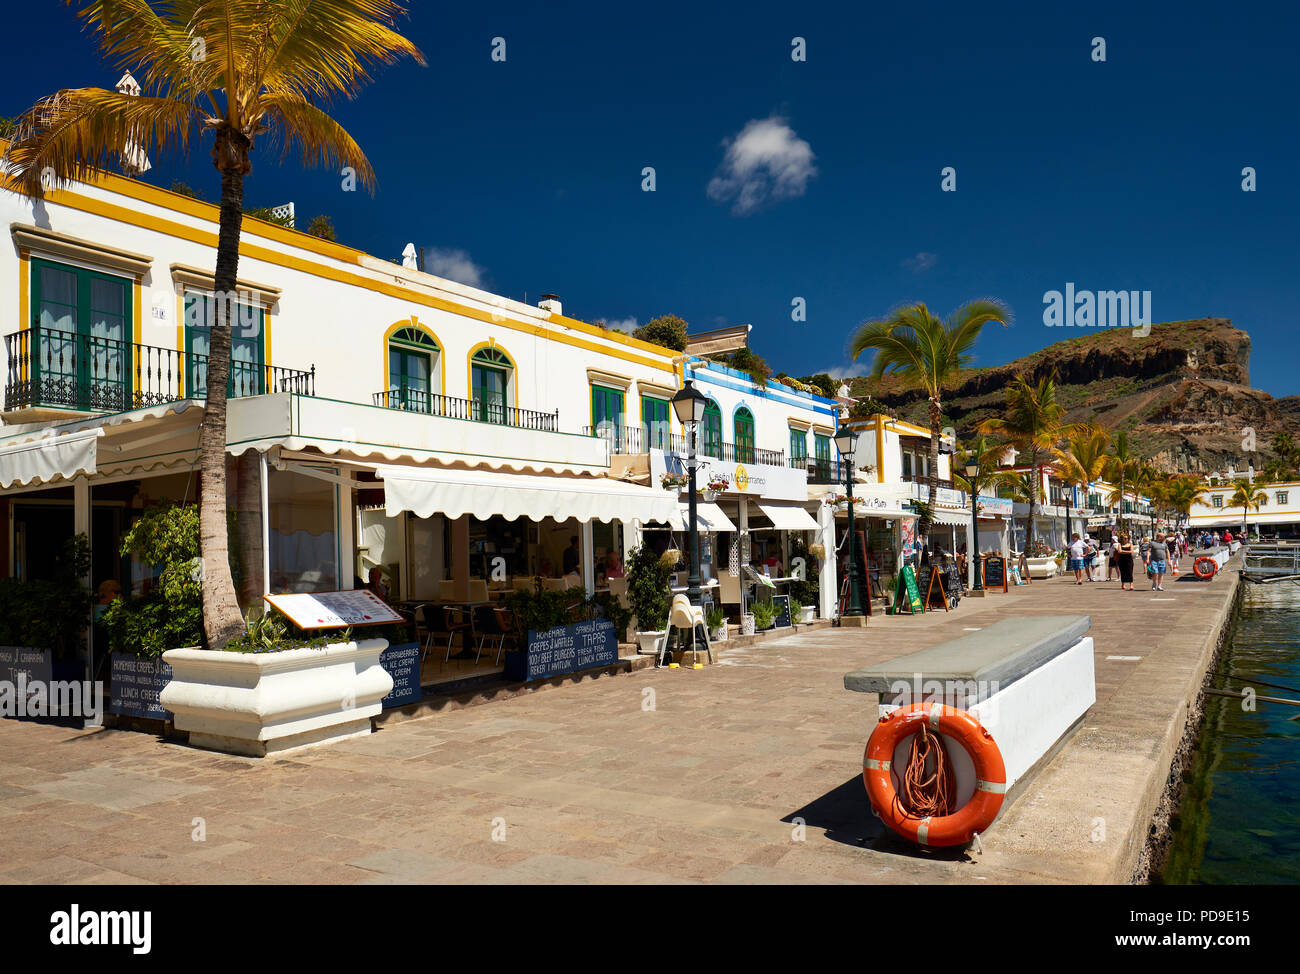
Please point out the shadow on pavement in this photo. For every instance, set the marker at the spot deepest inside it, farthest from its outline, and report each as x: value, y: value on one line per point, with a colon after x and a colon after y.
x: 844, y: 813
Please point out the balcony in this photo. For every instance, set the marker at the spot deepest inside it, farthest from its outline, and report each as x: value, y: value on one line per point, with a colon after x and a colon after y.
x: 821, y: 471
x: 920, y: 478
x: 50, y: 369
x: 448, y: 407
x: 630, y: 440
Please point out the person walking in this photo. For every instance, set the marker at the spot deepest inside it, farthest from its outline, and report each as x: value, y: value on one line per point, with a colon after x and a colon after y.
x: 1158, y: 562
x: 1090, y: 557
x: 1112, y: 554
x: 1124, y: 553
x: 1077, y: 554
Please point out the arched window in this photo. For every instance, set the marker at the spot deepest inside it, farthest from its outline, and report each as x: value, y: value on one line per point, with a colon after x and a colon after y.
x: 744, y: 436
x: 490, y: 370
x: 412, y: 356
x: 711, y: 431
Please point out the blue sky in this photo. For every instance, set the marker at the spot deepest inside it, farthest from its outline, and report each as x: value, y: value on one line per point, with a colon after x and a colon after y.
x: 526, y: 175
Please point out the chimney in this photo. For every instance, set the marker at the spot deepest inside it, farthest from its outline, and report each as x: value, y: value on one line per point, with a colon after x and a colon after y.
x: 551, y: 303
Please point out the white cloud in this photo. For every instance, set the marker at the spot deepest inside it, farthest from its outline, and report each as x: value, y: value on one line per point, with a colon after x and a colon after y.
x: 454, y: 265
x: 923, y: 261
x: 841, y: 371
x: 625, y: 325
x: 765, y: 162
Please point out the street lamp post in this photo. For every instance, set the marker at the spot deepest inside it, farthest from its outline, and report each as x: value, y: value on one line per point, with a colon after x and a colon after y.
x: 972, y: 472
x: 846, y: 441
x: 689, y: 405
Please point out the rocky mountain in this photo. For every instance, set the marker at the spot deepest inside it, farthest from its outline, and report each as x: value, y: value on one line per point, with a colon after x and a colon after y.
x: 1183, y: 392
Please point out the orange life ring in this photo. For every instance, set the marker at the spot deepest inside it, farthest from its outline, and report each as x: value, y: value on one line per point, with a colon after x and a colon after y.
x: 990, y: 774
x: 1211, y: 566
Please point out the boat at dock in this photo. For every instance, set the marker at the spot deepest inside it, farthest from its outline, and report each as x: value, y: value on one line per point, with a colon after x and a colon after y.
x: 1271, y: 562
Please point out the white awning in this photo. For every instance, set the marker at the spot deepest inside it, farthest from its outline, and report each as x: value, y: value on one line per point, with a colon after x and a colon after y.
x: 483, y: 493
x: 951, y: 518
x: 50, y: 457
x: 788, y: 517
x: 708, y: 516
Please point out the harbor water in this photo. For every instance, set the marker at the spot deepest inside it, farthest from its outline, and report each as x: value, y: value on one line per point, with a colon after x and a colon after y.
x: 1239, y: 820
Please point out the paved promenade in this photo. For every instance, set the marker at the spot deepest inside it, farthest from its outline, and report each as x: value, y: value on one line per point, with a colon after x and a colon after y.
x: 654, y: 776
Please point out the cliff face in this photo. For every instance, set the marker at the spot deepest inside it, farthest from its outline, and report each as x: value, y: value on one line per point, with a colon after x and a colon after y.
x: 1183, y: 392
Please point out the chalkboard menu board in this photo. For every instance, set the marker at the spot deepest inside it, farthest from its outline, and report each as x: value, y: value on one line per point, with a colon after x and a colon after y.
x: 782, y: 617
x: 933, y: 585
x: 995, y: 572
x: 402, y: 662
x: 136, y: 684
x: 564, y: 649
x: 37, y: 664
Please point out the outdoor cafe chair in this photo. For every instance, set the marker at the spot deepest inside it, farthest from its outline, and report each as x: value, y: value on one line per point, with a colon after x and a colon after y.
x: 509, y: 630
x: 445, y: 620
x: 486, y: 626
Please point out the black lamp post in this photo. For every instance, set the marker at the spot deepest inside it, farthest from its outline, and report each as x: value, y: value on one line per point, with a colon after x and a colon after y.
x: 689, y: 404
x: 846, y: 441
x: 972, y: 473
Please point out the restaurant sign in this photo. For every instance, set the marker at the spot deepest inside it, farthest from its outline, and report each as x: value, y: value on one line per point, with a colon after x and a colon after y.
x: 990, y: 506
x: 753, y: 479
x: 564, y: 649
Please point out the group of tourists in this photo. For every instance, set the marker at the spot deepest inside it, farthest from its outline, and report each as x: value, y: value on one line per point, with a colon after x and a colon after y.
x: 1212, y: 539
x: 1159, y: 555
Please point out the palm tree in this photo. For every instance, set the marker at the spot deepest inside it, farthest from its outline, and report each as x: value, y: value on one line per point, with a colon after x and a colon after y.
x: 1121, y: 465
x: 1248, y: 497
x: 239, y: 69
x: 1033, y: 423
x: 1185, y: 492
x: 920, y: 348
x: 1083, y: 460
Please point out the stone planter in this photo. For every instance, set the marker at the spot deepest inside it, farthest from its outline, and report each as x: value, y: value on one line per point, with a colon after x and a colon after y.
x: 807, y: 613
x: 747, y: 625
x: 265, y: 703
x: 648, y: 642
x: 718, y: 635
x: 1044, y: 567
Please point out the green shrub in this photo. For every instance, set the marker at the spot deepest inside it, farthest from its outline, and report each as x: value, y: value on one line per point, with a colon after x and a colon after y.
x: 647, y: 588
x: 50, y: 613
x: 539, y: 611
x: 165, y: 537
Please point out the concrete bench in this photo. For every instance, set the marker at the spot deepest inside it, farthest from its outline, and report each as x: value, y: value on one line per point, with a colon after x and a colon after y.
x: 1028, y: 680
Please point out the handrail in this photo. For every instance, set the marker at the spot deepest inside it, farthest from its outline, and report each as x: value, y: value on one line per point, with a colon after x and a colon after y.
x: 451, y: 407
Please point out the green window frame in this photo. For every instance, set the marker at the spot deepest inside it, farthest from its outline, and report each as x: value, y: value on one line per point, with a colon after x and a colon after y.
x: 607, y: 413
x: 247, y: 352
x: 744, y: 426
x: 822, y: 452
x: 83, y: 330
x: 711, y: 436
x: 798, y: 447
x: 490, y: 370
x: 1282, y: 496
x: 411, y: 358
x: 655, y: 424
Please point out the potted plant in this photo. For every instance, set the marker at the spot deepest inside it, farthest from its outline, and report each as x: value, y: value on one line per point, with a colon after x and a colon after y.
x: 673, y: 481
x: 765, y: 614
x: 717, y: 622
x: 647, y: 594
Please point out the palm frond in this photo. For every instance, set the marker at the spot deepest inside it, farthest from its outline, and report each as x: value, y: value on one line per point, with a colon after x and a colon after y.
x: 75, y: 132
x: 320, y: 140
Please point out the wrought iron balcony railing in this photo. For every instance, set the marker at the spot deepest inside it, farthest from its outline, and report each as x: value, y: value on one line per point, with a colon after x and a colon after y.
x: 821, y: 471
x: 642, y: 439
x: 482, y: 411
x: 67, y: 370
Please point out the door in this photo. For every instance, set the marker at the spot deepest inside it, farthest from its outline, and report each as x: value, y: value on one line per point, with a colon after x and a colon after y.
x: 247, y: 335
x: 82, y: 352
x: 408, y: 379
x: 607, y: 415
x: 654, y: 423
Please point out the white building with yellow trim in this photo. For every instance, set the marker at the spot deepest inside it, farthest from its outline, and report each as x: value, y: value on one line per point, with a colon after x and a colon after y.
x: 380, y: 416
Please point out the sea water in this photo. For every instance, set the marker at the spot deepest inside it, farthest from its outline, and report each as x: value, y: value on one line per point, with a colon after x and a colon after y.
x: 1239, y: 820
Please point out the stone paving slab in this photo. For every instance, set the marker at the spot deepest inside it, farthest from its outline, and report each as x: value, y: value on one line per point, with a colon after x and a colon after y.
x: 743, y: 772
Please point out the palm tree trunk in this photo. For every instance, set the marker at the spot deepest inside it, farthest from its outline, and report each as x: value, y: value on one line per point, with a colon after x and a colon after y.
x: 221, y: 618
x: 936, y: 417
x: 1033, y: 500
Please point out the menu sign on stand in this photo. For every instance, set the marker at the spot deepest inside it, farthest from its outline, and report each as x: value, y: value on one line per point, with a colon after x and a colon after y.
x: 995, y: 572
x: 335, y: 610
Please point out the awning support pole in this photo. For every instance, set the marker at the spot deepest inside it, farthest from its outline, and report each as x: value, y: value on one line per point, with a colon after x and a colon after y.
x: 266, y: 523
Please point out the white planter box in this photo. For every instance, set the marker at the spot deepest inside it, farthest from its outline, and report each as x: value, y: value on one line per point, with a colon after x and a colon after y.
x: 719, y: 635
x: 263, y: 703
x: 1042, y: 567
x: 648, y: 642
x: 747, y: 625
x: 807, y: 613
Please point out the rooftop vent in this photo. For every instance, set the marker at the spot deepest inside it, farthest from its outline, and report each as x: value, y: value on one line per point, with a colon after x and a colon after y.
x: 551, y: 303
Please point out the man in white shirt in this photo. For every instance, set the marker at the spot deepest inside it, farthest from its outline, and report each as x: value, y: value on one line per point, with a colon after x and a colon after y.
x: 1078, y: 551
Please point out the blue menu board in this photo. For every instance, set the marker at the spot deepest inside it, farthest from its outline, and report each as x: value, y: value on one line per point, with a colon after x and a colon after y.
x: 136, y: 684
x: 402, y: 662
x: 565, y: 649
